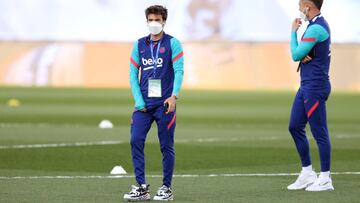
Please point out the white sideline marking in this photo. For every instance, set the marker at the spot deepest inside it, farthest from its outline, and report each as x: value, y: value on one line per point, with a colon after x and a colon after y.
x: 175, y: 176
x: 40, y: 125
x: 77, y: 144
x: 234, y: 139
x: 113, y: 142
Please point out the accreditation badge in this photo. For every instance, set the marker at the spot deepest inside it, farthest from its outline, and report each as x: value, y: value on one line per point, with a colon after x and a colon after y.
x: 154, y: 88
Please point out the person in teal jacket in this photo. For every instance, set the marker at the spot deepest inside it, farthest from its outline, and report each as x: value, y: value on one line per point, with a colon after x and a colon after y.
x: 309, y: 105
x: 158, y: 59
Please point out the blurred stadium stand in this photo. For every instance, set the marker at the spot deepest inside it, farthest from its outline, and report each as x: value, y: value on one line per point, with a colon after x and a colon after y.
x: 229, y: 44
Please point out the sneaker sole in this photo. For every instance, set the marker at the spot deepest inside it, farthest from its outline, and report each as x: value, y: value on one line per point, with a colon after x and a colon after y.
x: 165, y: 200
x: 321, y: 190
x: 301, y: 188
x: 137, y: 200
x: 141, y: 199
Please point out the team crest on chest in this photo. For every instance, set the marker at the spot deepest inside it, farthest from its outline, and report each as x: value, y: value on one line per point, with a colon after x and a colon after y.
x: 162, y: 50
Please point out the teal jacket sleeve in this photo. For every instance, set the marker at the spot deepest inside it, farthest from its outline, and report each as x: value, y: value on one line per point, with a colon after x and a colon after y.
x: 314, y: 34
x: 178, y: 65
x: 134, y: 78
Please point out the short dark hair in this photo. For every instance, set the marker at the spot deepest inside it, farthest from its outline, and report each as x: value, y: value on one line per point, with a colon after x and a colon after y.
x: 157, y: 10
x: 318, y: 3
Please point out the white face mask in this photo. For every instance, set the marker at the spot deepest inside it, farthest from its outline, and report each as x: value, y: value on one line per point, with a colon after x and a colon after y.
x: 155, y: 27
x: 303, y: 14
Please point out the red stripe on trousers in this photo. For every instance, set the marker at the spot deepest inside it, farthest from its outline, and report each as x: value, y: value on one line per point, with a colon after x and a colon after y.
x: 313, y: 109
x: 171, y: 122
x: 178, y: 56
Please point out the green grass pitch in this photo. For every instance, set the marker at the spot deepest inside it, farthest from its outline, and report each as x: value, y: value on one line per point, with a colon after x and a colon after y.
x: 217, y: 133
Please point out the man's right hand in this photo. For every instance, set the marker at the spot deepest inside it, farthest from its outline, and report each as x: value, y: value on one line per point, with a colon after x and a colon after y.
x: 296, y: 24
x: 143, y: 110
x: 140, y: 107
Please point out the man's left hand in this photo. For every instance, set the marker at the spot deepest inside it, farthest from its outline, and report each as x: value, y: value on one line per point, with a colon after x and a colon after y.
x: 306, y: 59
x: 172, y: 104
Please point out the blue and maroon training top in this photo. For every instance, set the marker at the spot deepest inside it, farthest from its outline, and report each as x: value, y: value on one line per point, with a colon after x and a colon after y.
x: 315, y: 43
x: 169, y: 69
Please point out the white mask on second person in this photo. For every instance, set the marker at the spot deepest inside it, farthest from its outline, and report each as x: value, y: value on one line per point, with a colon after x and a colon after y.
x: 303, y: 14
x: 155, y: 27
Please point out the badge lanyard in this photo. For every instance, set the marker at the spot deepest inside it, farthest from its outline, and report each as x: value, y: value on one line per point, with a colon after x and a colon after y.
x: 155, y: 59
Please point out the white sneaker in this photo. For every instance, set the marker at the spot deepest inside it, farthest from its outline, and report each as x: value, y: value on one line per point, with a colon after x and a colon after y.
x: 138, y: 193
x: 304, y: 180
x: 164, y: 194
x: 321, y: 184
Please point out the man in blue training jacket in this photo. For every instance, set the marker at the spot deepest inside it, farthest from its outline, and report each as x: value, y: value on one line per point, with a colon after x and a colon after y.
x: 158, y: 58
x: 309, y: 105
